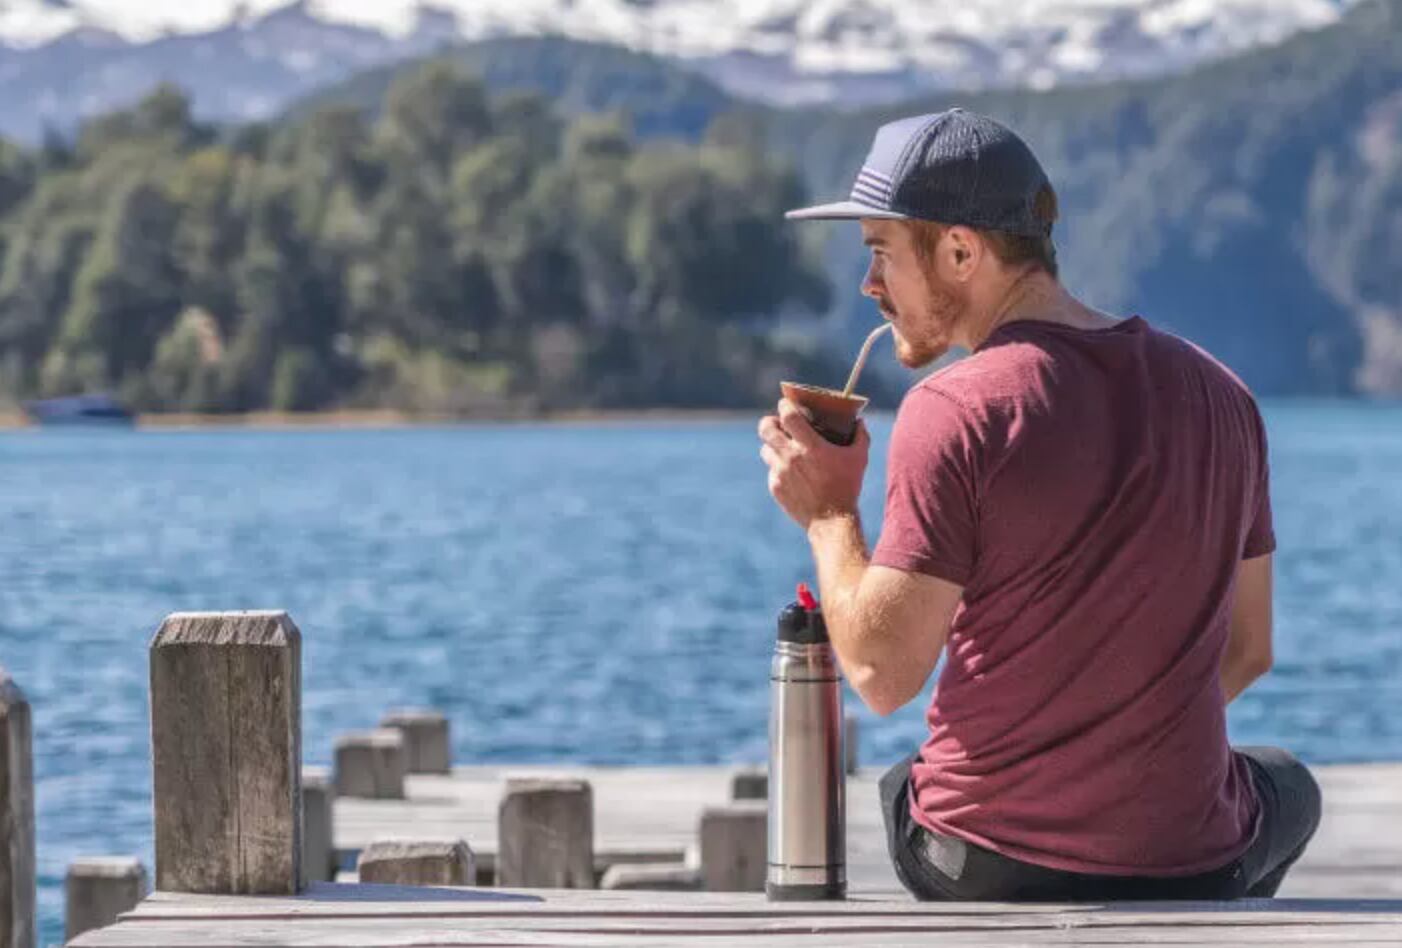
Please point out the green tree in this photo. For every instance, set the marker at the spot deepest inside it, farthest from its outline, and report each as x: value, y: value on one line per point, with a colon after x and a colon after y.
x: 127, y: 291
x: 162, y: 116
x: 704, y: 240
x: 456, y: 254
x: 184, y: 373
x: 431, y: 115
x: 300, y: 381
x: 209, y: 234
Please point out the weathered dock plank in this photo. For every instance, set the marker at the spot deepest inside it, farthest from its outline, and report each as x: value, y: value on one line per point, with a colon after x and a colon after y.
x: 354, y: 914
x: 651, y: 814
x: 1352, y: 873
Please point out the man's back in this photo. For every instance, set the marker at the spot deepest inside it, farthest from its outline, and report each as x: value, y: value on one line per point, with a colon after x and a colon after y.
x: 1093, y: 492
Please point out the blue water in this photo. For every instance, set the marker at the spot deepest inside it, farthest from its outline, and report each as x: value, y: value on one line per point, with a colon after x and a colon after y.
x: 598, y: 593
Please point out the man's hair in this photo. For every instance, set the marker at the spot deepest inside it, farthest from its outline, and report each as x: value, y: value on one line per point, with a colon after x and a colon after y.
x: 1010, y: 249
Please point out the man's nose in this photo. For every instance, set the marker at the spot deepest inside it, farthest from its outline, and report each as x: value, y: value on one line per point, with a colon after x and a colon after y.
x: 871, y: 283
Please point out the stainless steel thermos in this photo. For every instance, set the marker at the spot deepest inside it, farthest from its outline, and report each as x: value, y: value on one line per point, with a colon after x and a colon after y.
x: 807, y: 806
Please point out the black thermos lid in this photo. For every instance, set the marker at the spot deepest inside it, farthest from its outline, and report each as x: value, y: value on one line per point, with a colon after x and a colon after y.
x: 802, y: 626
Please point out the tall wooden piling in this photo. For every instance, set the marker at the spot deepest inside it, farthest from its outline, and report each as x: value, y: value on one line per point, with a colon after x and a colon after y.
x: 545, y: 834
x: 226, y: 744
x: 427, y: 747
x: 99, y: 888
x: 16, y: 818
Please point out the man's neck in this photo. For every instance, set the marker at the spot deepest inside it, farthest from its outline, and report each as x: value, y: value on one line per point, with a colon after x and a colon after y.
x: 1034, y: 296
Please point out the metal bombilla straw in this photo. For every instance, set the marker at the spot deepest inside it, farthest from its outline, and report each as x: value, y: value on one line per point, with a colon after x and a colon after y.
x: 862, y: 357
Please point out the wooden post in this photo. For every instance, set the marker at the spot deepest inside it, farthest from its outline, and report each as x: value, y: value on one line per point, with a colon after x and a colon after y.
x: 370, y: 764
x: 749, y: 785
x: 734, y: 847
x: 226, y: 746
x: 98, y: 889
x: 851, y: 733
x: 418, y: 863
x: 318, y: 846
x: 545, y: 834
x: 16, y: 818
x: 426, y: 743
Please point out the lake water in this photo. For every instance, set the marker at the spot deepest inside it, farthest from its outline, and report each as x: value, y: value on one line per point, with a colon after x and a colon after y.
x: 600, y: 594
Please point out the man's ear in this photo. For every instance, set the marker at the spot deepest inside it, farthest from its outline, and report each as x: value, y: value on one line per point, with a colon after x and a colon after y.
x: 963, y: 251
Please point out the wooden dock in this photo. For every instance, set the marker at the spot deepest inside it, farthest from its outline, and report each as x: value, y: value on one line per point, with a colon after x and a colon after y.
x: 236, y: 814
x: 1346, y: 890
x: 355, y: 915
x: 650, y: 814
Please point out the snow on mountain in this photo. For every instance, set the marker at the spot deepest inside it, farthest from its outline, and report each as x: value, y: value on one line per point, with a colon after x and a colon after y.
x: 786, y: 51
x: 1062, y: 36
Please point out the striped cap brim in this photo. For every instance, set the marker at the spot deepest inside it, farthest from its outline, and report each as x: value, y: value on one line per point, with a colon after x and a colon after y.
x: 844, y: 210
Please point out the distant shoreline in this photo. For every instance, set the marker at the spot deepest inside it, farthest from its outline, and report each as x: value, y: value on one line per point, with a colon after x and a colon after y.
x: 275, y: 420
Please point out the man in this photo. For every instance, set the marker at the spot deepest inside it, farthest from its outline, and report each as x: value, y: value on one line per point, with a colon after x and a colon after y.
x: 1077, y: 515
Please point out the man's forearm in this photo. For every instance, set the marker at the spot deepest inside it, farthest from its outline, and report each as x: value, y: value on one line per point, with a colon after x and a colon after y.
x: 840, y: 552
x: 887, y: 626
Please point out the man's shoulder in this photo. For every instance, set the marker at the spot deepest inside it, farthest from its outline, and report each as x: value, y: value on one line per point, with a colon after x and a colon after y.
x: 1187, y: 351
x: 984, y: 379
x: 963, y: 399
x: 1024, y: 364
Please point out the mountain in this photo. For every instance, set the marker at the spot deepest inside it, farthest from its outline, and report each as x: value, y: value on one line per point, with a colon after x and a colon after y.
x: 1254, y: 205
x: 661, y: 99
x: 64, y: 59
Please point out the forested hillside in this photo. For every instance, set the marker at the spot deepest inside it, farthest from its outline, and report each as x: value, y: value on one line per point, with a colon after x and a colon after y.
x: 431, y: 241
x: 1254, y: 205
x: 457, y: 253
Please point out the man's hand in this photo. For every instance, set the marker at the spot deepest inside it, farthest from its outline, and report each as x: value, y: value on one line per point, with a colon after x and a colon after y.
x: 811, y: 478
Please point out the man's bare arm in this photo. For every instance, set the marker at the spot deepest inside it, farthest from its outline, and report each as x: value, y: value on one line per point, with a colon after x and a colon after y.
x: 1249, y: 653
x: 887, y: 626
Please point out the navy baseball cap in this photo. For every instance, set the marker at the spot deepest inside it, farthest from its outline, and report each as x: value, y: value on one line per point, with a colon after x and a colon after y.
x: 951, y: 167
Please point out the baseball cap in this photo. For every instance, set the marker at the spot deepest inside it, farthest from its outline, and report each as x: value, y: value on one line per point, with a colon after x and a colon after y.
x: 952, y: 167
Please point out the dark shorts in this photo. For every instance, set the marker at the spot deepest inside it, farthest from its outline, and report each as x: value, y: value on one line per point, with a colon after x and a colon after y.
x: 936, y: 867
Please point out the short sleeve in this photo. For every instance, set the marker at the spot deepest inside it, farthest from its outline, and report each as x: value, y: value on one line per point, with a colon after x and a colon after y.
x: 930, y: 524
x: 1260, y: 531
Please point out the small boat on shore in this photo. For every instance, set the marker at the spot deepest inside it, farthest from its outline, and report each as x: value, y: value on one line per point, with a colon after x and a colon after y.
x: 78, y: 410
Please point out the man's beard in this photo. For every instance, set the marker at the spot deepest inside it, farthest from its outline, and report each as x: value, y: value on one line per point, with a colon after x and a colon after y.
x: 921, y: 341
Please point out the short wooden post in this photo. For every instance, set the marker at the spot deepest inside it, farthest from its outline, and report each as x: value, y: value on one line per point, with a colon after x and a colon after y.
x: 734, y: 847
x: 545, y: 834
x: 16, y: 818
x: 226, y: 746
x: 850, y: 736
x: 370, y: 764
x: 318, y: 847
x: 426, y: 743
x: 418, y: 863
x: 98, y: 889
x: 665, y: 877
x: 749, y: 785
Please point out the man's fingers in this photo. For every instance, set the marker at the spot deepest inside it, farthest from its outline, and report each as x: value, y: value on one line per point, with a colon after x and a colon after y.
x: 770, y: 456
x: 772, y: 433
x: 797, y: 424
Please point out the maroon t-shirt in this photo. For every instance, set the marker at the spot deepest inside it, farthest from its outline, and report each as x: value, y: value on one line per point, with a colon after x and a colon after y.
x: 1093, y: 492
